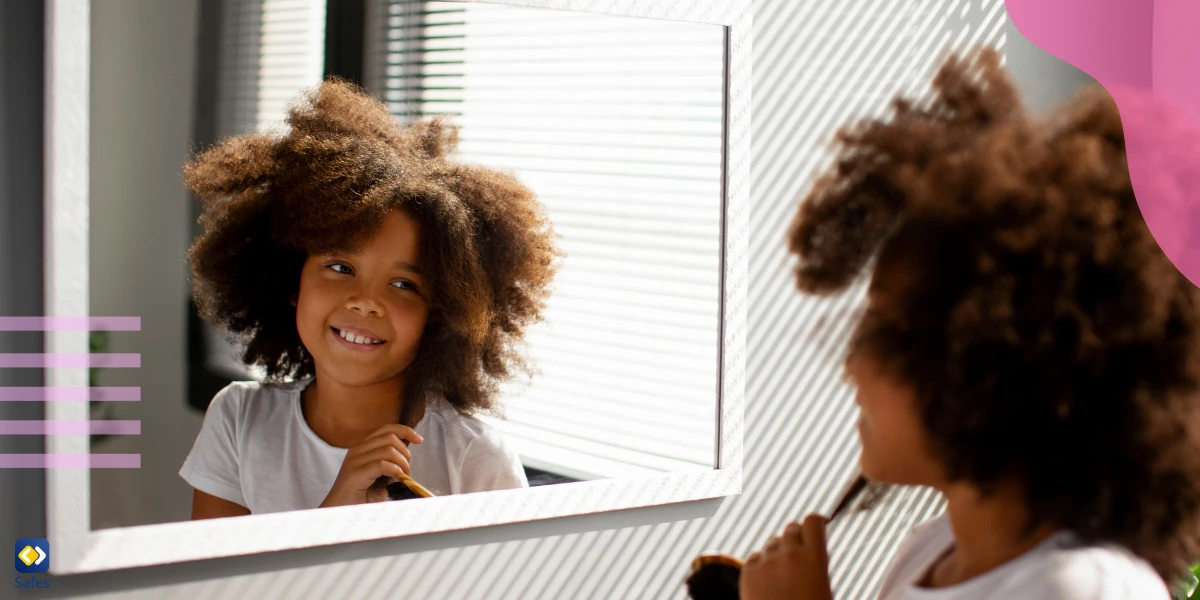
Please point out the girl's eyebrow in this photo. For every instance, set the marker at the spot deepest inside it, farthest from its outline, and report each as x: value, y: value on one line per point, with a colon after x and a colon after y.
x: 407, y: 266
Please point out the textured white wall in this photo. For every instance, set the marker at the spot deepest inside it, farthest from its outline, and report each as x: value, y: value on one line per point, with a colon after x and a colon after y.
x: 817, y: 63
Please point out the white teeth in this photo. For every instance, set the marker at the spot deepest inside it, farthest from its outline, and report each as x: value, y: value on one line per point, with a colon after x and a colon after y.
x: 357, y: 339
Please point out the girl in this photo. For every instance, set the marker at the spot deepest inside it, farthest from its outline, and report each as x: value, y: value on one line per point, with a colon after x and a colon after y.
x: 1027, y: 350
x: 385, y: 289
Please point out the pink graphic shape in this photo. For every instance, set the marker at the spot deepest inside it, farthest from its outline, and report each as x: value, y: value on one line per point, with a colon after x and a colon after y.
x: 31, y: 427
x: 70, y: 323
x: 70, y: 461
x: 70, y: 394
x: 1176, y: 53
x: 1147, y: 55
x: 63, y: 360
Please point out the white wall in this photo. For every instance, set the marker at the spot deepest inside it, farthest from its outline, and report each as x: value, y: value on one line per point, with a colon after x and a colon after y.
x: 143, y: 55
x: 817, y: 63
x: 1043, y: 80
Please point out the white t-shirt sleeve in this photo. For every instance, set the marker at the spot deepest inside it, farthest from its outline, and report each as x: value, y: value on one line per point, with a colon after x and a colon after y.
x: 1057, y: 569
x: 490, y: 464
x: 1087, y: 574
x: 212, y: 465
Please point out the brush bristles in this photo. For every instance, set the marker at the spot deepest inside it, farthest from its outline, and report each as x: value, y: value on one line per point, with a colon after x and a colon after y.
x: 714, y: 577
x: 714, y: 582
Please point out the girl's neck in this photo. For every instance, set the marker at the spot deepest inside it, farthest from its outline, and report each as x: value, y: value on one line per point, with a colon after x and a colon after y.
x: 989, y: 531
x: 344, y: 415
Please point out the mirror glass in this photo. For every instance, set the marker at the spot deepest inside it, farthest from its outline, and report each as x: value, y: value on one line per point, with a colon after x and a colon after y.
x: 616, y: 124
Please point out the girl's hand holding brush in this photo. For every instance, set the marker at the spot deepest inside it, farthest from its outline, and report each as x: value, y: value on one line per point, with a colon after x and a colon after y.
x: 383, y: 454
x: 720, y: 576
x: 794, y: 565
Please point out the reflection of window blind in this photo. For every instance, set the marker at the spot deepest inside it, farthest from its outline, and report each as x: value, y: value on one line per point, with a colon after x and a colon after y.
x: 616, y: 123
x: 270, y: 50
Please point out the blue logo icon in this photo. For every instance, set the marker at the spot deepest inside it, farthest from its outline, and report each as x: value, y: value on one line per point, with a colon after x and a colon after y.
x: 32, y: 555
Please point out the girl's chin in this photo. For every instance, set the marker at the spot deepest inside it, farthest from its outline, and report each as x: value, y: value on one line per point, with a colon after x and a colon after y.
x: 870, y: 466
x: 355, y: 373
x: 865, y: 466
x: 885, y: 473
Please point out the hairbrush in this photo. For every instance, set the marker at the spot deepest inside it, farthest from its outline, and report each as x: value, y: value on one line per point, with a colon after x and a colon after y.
x: 406, y: 488
x: 715, y: 576
x: 402, y: 488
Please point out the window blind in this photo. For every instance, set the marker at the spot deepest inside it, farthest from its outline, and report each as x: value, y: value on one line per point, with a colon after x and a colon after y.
x: 616, y: 123
x: 270, y: 51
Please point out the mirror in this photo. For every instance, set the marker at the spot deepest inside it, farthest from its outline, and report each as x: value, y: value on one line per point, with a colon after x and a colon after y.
x: 617, y: 124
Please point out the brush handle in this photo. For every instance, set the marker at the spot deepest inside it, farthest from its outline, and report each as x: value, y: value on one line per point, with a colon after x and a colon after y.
x: 853, y: 491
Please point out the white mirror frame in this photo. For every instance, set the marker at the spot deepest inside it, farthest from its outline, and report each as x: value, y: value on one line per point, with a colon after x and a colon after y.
x: 78, y: 549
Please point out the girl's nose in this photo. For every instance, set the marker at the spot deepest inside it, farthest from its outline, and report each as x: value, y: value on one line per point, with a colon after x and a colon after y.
x: 364, y: 305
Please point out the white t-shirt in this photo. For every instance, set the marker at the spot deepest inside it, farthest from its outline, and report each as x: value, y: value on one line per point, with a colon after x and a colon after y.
x: 255, y: 449
x: 1056, y: 569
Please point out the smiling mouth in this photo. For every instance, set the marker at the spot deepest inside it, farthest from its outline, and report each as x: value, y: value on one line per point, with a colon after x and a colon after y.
x: 356, y: 339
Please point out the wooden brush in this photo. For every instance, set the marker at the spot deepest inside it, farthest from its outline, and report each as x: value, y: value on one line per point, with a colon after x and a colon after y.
x: 403, y: 488
x: 406, y: 488
x: 715, y: 576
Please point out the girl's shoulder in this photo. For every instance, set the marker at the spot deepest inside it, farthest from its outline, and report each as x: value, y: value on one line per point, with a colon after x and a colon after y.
x: 438, y: 410
x: 461, y: 429
x: 1060, y: 568
x: 241, y: 401
x: 477, y: 456
x: 1071, y: 570
x: 242, y: 391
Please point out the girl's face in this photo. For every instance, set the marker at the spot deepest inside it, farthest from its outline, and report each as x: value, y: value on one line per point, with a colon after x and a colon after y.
x: 895, y: 448
x: 375, y: 296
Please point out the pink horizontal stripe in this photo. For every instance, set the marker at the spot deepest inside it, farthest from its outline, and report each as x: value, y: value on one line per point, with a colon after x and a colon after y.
x: 70, y: 461
x: 70, y: 394
x: 31, y: 427
x: 36, y: 360
x: 70, y: 323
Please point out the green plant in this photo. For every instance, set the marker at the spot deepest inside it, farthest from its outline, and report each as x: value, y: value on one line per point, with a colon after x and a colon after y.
x: 1189, y: 589
x: 97, y: 342
x: 1195, y: 592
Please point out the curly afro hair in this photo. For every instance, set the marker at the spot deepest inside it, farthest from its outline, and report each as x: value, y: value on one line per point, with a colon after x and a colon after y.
x: 325, y: 185
x: 1016, y: 288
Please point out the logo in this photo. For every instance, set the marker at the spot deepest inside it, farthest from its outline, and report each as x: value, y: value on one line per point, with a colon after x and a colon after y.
x: 32, y: 555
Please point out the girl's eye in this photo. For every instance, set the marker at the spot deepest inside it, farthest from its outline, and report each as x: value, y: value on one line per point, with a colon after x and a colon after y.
x: 405, y: 285
x: 334, y: 266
